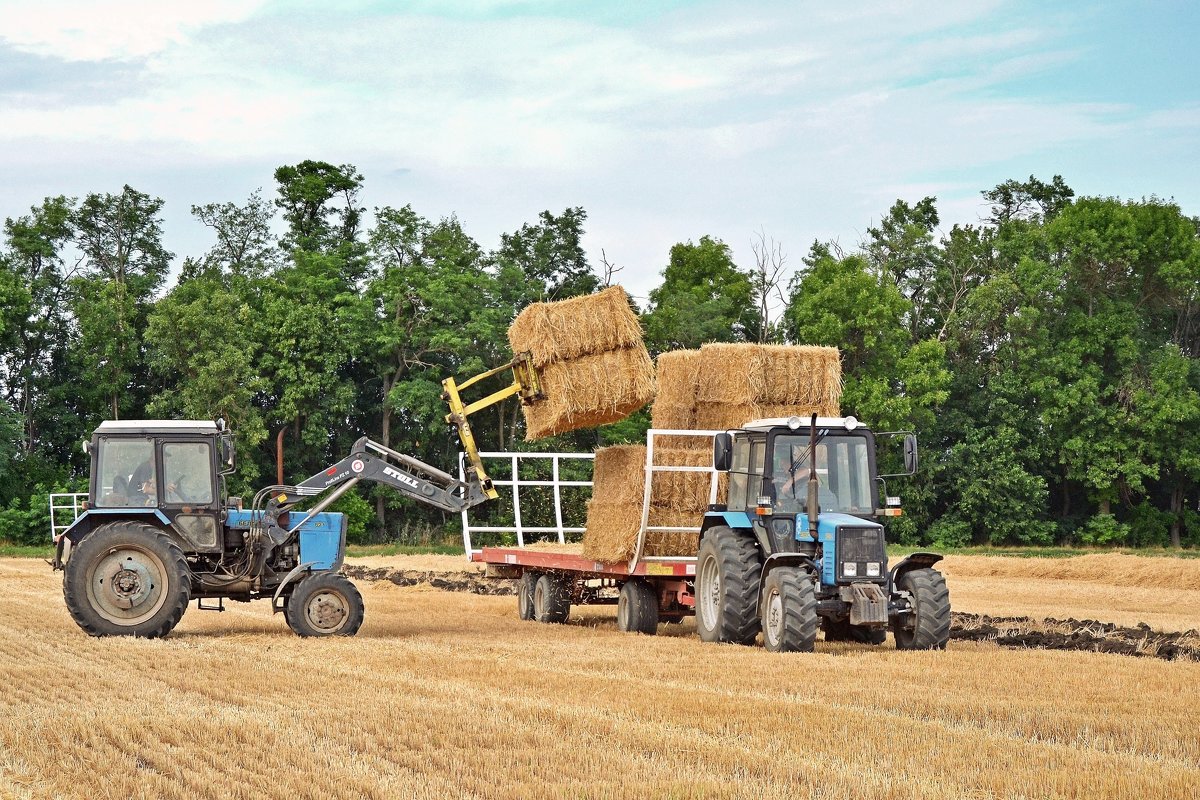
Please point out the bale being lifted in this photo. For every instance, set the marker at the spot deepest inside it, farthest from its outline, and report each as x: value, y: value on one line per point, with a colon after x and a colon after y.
x: 592, y: 361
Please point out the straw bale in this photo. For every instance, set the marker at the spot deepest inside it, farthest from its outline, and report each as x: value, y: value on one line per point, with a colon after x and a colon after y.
x: 589, y: 391
x: 617, y: 475
x: 675, y: 403
x: 745, y: 374
x: 612, y: 531
x: 685, y: 491
x: 720, y: 416
x: 567, y: 329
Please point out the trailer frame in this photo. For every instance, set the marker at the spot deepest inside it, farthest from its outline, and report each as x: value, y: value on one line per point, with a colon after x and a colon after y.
x: 663, y: 587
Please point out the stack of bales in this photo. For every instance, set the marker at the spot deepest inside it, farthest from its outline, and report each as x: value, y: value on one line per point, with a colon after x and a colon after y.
x: 724, y: 386
x: 614, y: 514
x: 593, y: 364
x: 717, y: 387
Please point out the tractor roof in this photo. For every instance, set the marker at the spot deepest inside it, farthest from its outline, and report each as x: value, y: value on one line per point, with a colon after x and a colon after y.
x: 848, y: 423
x: 202, y: 426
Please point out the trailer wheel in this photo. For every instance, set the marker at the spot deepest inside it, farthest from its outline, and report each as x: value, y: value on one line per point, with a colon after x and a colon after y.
x: 127, y: 578
x: 727, y: 571
x: 789, y: 611
x: 637, y: 608
x: 325, y: 604
x: 551, y: 599
x: 843, y: 631
x: 525, y: 589
x: 928, y: 626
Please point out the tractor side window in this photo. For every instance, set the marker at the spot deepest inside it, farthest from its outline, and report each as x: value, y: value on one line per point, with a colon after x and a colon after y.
x: 187, y: 473
x: 124, y: 470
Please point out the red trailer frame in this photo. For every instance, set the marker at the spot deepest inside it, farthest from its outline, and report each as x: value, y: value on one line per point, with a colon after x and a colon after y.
x: 646, y: 590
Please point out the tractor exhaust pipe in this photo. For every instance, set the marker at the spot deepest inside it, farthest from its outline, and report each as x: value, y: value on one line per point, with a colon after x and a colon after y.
x: 813, y: 506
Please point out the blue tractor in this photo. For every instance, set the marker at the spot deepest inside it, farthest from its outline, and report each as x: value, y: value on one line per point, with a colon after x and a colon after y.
x: 800, y: 545
x: 159, y: 530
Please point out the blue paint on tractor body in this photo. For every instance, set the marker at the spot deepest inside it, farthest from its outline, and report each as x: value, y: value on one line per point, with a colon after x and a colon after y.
x: 322, y: 538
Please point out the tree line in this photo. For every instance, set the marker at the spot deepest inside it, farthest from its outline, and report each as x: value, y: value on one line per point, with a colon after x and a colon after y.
x: 1047, y: 355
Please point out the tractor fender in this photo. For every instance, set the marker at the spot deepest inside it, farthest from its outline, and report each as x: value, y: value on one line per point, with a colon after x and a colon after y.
x: 911, y: 562
x: 296, y: 570
x: 93, y: 518
x: 786, y: 560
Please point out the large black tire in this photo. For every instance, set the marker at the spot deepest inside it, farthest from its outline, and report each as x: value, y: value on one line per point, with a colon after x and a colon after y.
x: 789, y: 611
x: 728, y: 567
x: 843, y: 631
x: 637, y: 608
x: 325, y: 604
x: 525, y: 588
x: 127, y: 578
x: 928, y: 627
x: 551, y: 599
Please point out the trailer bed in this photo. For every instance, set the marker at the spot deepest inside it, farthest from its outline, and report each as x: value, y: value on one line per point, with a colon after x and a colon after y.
x: 517, y: 559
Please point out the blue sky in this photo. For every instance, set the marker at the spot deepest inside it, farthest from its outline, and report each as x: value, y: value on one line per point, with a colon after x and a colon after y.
x: 665, y: 121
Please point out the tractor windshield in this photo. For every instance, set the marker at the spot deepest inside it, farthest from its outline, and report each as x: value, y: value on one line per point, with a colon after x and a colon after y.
x: 843, y: 474
x: 125, y: 473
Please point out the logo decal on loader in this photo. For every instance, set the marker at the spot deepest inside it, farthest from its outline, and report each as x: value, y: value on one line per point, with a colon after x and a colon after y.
x: 400, y: 476
x: 357, y: 465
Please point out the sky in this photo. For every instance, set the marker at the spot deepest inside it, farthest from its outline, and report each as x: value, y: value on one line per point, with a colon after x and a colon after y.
x: 665, y: 121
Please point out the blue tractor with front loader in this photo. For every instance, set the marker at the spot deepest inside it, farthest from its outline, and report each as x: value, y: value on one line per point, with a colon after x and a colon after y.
x: 800, y: 547
x: 158, y: 529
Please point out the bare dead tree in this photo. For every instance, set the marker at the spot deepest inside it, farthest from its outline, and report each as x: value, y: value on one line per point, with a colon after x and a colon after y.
x: 610, y: 269
x: 769, y: 264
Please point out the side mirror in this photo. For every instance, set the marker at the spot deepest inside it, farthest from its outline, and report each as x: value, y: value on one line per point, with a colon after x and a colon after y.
x: 910, y: 453
x: 87, y: 447
x: 226, y: 445
x: 722, y: 452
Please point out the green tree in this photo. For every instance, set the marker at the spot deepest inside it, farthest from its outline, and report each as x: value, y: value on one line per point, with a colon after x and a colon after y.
x: 703, y: 297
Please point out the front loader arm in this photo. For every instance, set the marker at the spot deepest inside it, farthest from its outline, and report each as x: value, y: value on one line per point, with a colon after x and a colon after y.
x: 526, y: 385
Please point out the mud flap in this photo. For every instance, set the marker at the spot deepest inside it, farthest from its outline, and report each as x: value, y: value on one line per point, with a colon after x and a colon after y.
x: 869, y: 605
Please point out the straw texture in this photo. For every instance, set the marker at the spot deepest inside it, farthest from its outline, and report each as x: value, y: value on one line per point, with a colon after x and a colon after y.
x: 593, y: 365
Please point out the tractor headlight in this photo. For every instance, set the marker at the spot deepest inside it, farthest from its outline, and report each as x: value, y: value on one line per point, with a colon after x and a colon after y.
x: 872, y: 569
x: 850, y: 569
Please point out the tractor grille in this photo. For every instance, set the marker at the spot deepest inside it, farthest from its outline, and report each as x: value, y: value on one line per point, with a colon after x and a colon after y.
x: 861, y: 546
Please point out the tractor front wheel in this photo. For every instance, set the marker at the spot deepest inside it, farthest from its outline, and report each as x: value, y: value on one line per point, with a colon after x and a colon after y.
x: 325, y: 604
x: 789, y: 611
x: 127, y: 578
x: 927, y: 626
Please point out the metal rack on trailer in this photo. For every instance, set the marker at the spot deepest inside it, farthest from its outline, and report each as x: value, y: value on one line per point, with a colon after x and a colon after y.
x: 646, y: 589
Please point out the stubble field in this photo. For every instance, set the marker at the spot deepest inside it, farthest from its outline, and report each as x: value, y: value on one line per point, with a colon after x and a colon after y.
x: 446, y: 694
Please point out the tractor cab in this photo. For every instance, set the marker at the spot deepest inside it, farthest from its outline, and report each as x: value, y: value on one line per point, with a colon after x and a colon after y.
x: 172, y: 470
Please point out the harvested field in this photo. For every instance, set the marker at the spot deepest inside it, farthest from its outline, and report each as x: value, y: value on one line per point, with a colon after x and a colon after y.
x: 448, y: 694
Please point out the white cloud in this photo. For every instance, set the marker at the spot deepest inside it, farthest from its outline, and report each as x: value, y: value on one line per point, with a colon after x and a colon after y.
x: 86, y: 30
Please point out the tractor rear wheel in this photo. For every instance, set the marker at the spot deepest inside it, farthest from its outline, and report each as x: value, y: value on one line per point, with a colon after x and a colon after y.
x: 325, y: 604
x: 728, y: 567
x: 789, y: 611
x: 525, y: 588
x: 551, y: 599
x: 127, y: 578
x: 928, y: 626
x: 637, y: 608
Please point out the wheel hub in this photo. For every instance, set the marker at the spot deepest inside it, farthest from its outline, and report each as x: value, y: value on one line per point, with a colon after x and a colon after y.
x: 327, y: 611
x: 127, y: 585
x: 710, y: 600
x: 774, y: 616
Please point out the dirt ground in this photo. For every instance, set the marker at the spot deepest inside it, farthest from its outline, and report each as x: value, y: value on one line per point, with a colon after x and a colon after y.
x: 448, y: 694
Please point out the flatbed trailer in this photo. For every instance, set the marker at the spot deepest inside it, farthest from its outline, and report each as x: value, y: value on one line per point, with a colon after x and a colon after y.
x: 646, y: 589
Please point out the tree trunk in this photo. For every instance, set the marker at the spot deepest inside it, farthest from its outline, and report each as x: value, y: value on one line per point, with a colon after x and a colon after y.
x: 386, y: 435
x: 1177, y: 515
x: 1106, y: 506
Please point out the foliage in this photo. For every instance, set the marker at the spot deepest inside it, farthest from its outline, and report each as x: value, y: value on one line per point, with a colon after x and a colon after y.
x: 1048, y: 357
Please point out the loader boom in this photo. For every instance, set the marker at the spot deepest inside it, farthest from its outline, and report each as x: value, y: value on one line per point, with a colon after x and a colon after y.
x: 526, y: 385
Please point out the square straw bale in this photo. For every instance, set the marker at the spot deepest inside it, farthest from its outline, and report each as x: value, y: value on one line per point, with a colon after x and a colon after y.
x: 617, y: 475
x: 589, y: 391
x: 567, y: 329
x: 675, y: 404
x: 612, y: 531
x: 685, y: 491
x: 745, y: 374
